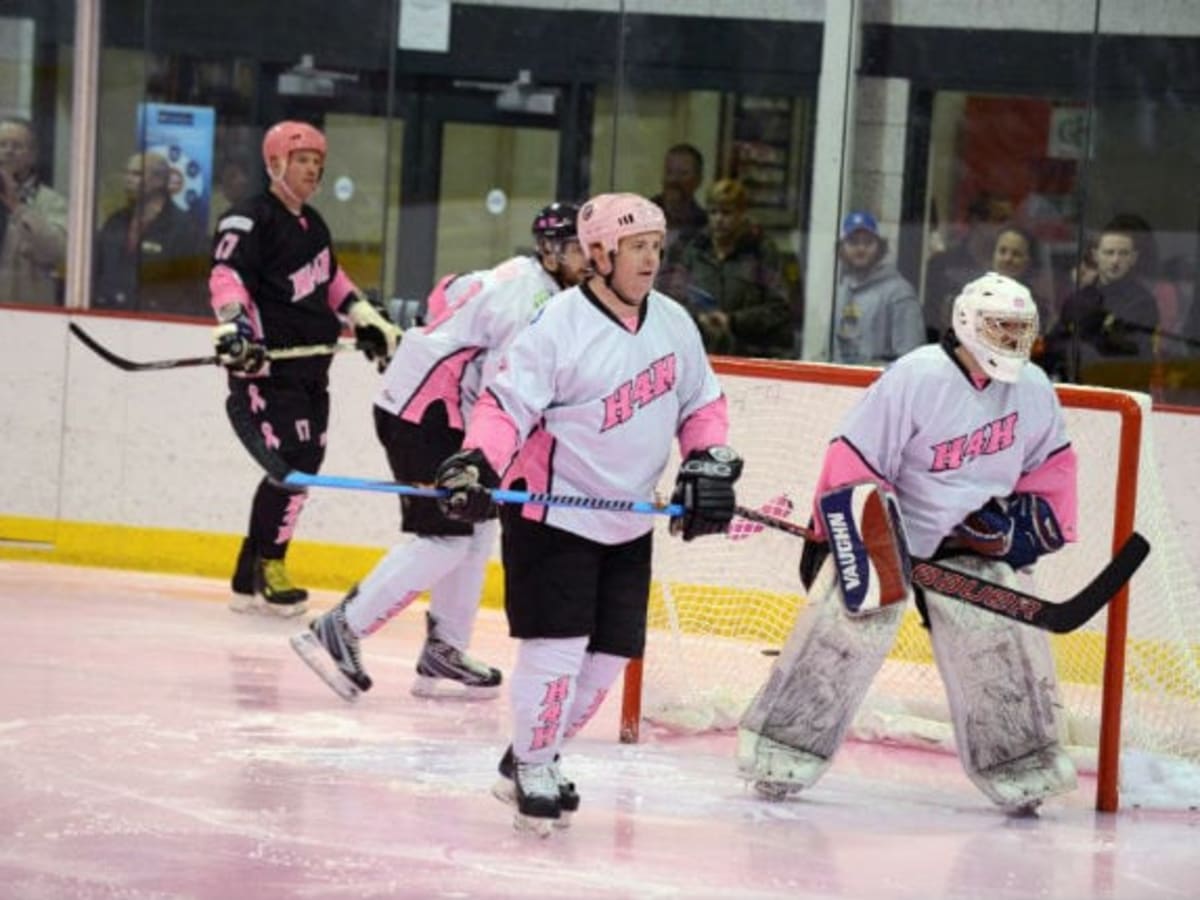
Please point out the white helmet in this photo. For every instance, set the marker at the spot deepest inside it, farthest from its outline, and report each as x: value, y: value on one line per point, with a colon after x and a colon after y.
x: 996, y: 319
x: 607, y: 218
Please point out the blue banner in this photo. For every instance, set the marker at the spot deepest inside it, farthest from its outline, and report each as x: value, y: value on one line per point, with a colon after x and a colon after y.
x: 183, y: 135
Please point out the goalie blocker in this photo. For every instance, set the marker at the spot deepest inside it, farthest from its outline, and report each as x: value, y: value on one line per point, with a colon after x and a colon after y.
x: 869, y: 549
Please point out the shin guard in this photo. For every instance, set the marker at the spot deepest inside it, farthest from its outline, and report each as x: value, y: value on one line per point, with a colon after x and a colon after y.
x: 1003, y: 694
x: 800, y: 716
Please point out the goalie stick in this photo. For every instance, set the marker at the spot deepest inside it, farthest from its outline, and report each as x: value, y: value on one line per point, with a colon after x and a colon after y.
x: 1059, y: 618
x: 129, y: 365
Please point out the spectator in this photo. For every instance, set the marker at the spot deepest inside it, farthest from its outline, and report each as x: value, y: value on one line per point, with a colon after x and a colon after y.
x: 732, y: 280
x: 151, y: 255
x: 950, y: 270
x: 683, y: 170
x: 33, y: 221
x: 1150, y: 270
x: 236, y: 180
x: 1111, y: 315
x: 1013, y: 255
x: 876, y: 309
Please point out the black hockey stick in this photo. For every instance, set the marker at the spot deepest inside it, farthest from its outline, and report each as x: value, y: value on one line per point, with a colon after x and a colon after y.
x: 128, y: 365
x: 1005, y: 601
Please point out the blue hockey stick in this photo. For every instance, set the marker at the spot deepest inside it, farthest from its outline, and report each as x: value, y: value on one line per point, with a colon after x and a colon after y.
x: 303, y: 479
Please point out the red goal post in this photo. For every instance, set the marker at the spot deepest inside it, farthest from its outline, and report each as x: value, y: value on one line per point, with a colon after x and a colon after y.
x: 716, y: 607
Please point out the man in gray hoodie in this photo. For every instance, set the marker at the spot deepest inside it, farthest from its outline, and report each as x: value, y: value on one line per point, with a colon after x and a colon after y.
x: 877, y: 317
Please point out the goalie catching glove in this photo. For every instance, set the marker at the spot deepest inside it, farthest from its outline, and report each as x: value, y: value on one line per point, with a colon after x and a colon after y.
x: 238, y: 347
x: 704, y: 488
x: 468, y: 477
x: 1017, y: 530
x: 374, y: 332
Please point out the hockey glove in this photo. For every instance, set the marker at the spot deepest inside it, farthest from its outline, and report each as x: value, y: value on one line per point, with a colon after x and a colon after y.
x: 468, y: 476
x: 373, y: 330
x: 704, y: 487
x: 238, y: 347
x: 1017, y: 530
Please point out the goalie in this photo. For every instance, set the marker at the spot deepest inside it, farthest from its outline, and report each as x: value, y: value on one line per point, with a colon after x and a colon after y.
x: 969, y: 442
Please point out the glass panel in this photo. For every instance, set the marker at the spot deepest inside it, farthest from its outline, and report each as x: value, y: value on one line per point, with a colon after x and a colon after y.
x: 494, y: 179
x: 35, y: 134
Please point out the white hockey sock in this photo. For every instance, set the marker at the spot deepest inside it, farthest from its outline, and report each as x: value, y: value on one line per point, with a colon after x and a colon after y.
x: 454, y: 600
x: 599, y: 672
x: 400, y: 577
x: 543, y: 687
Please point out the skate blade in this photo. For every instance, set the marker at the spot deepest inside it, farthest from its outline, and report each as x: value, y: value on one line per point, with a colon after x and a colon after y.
x: 543, y: 828
x: 775, y: 791
x: 506, y: 792
x: 255, y: 605
x: 309, y: 649
x: 448, y: 689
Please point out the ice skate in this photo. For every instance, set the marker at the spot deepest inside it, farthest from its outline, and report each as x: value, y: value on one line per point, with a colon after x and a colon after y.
x: 331, y: 650
x: 776, y: 771
x: 444, y: 671
x: 505, y: 788
x: 272, y: 591
x: 536, y: 793
x: 1021, y: 786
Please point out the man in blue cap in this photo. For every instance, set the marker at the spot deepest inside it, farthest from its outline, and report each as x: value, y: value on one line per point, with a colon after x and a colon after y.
x: 877, y: 317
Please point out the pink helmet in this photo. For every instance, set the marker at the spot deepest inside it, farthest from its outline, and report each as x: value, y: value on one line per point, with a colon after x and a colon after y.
x: 607, y: 218
x: 284, y: 137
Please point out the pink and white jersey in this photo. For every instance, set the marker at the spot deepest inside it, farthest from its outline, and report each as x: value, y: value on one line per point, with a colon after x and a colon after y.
x: 597, y: 406
x: 477, y: 314
x: 948, y: 445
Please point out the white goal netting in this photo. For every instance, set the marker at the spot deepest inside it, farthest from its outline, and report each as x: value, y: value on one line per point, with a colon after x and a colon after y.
x: 720, y: 606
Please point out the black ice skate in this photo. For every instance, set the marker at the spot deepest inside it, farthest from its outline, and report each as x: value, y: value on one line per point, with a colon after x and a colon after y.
x: 330, y: 649
x: 536, y: 792
x: 445, y: 671
x: 270, y: 591
x: 505, y: 788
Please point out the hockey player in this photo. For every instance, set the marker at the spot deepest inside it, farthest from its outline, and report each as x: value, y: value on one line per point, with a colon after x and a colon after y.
x: 427, y: 393
x: 971, y: 439
x: 586, y: 402
x: 276, y: 283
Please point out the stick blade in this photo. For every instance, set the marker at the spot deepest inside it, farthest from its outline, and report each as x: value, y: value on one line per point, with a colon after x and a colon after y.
x: 1079, y: 610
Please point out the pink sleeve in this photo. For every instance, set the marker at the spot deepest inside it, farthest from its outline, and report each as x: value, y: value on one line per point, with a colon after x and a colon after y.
x: 706, y: 427
x: 1055, y: 480
x: 493, y: 431
x: 339, y: 289
x: 225, y: 287
x: 842, y: 465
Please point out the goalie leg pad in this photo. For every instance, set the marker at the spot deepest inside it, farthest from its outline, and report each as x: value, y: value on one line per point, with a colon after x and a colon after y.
x: 868, y: 545
x: 1003, y: 694
x: 800, y: 716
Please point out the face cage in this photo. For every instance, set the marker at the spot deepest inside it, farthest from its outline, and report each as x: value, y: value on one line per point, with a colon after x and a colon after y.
x: 1007, y: 335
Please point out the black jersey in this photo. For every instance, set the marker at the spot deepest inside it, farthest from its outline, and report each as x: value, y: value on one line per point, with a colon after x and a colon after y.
x: 286, y: 264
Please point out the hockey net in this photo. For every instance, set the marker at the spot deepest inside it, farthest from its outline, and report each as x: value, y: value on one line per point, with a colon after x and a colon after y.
x: 721, y: 607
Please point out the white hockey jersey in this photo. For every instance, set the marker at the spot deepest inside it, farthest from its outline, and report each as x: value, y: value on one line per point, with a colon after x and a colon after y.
x: 445, y: 359
x: 947, y: 445
x: 598, y: 405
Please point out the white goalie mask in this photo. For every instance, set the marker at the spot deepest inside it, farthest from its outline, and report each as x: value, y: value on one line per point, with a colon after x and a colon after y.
x: 996, y: 319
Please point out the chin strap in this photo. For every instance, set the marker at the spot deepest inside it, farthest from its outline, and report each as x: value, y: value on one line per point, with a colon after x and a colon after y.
x: 608, y: 283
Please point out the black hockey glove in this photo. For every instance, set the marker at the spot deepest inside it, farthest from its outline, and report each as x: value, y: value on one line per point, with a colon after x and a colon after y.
x: 467, y: 475
x: 704, y: 487
x: 237, y: 347
x: 374, y: 332
x: 1017, y: 530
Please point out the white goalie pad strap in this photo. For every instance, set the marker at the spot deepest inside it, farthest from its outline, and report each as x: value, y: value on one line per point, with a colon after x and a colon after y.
x: 817, y: 684
x: 867, y: 543
x: 1003, y: 695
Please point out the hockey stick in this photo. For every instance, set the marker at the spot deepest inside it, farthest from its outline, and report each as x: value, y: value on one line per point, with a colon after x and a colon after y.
x: 1005, y: 601
x: 499, y: 495
x: 128, y: 365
